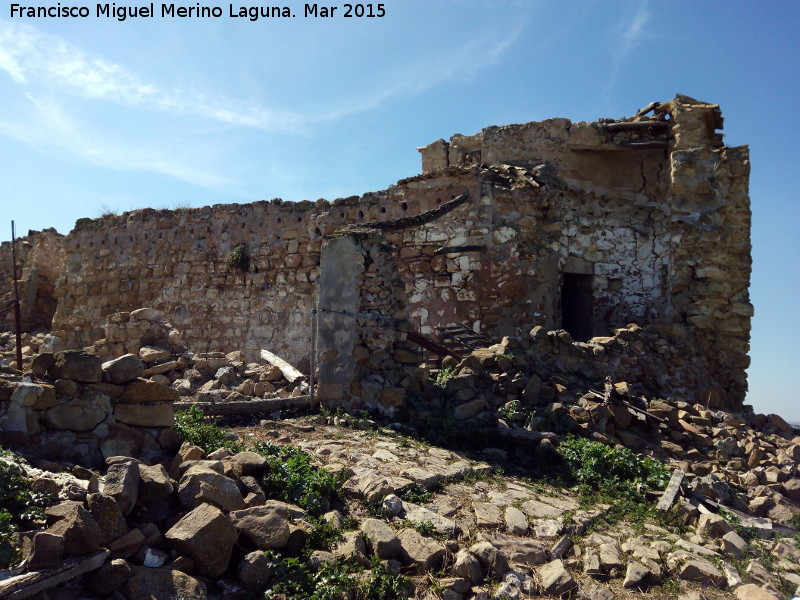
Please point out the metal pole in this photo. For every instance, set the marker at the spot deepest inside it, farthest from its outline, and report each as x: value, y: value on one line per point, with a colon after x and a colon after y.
x: 17, y: 315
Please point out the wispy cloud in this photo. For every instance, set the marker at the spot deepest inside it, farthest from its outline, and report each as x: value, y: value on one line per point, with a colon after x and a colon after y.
x: 626, y: 40
x: 458, y: 64
x: 54, y: 78
x: 48, y: 127
x: 33, y: 58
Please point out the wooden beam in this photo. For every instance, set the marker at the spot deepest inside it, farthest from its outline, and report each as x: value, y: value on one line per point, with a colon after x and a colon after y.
x: 673, y: 487
x: 245, y: 407
x: 624, y: 125
x: 33, y: 582
x: 289, y: 372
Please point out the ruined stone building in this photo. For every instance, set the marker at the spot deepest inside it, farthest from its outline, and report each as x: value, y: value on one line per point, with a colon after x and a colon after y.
x: 584, y: 227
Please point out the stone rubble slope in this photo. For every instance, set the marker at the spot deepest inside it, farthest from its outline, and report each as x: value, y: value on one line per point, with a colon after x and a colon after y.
x: 744, y: 461
x: 118, y: 396
x: 200, y: 523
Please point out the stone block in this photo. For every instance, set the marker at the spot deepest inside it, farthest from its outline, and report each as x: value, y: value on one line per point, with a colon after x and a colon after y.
x: 150, y: 414
x: 207, y: 536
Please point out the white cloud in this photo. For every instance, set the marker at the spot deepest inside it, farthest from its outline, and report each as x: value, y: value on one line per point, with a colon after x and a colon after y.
x: 49, y: 127
x: 461, y: 63
x: 54, y: 78
x: 33, y: 58
x: 626, y: 40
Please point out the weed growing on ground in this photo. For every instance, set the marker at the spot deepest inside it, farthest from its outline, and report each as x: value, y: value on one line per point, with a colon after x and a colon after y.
x: 376, y: 510
x: 416, y: 494
x: 426, y: 529
x: 19, y: 505
x: 602, y: 467
x: 292, y: 477
x: 293, y: 580
x: 193, y: 428
x: 616, y: 476
x: 323, y: 534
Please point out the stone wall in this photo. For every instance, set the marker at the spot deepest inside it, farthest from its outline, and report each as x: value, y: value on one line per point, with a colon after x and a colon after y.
x: 585, y: 226
x: 83, y: 410
x: 40, y: 257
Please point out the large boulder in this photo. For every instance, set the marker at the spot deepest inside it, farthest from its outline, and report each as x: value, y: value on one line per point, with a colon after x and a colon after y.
x: 381, y: 539
x: 110, y: 576
x: 245, y: 463
x: 80, y: 531
x: 423, y: 553
x: 121, y: 482
x: 493, y: 563
x: 77, y: 365
x: 154, y: 484
x: 162, y: 584
x: 555, y: 579
x: 206, y: 536
x: 81, y: 413
x: 142, y: 390
x: 468, y: 567
x: 200, y: 484
x: 266, y: 527
x: 150, y: 414
x: 123, y: 369
x: 254, y: 571
x: 106, y: 512
x: 152, y: 354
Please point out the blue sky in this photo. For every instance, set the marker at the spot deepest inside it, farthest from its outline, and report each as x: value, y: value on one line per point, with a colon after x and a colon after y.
x: 98, y: 114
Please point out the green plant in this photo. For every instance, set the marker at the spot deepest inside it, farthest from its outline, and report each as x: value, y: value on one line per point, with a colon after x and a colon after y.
x: 439, y: 377
x: 602, y: 467
x: 416, y: 494
x: 669, y: 585
x: 238, y: 258
x: 19, y: 505
x: 292, y: 477
x: 293, y: 580
x: 376, y: 510
x: 509, y: 411
x: 615, y: 476
x: 426, y: 529
x: 192, y: 427
x: 323, y: 534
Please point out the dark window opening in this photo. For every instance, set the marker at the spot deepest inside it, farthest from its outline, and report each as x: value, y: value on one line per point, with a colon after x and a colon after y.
x: 576, y: 306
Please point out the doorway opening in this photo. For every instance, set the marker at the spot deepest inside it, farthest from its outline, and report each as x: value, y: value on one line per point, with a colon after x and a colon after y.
x: 577, y: 305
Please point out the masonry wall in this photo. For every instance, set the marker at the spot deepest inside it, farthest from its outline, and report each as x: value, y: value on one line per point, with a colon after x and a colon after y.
x: 40, y: 257
x: 653, y: 211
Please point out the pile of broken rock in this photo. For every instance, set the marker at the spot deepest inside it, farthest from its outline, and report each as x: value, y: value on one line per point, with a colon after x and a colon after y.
x: 198, y: 526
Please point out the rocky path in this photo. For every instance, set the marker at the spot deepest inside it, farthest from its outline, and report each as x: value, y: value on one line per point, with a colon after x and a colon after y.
x: 486, y: 534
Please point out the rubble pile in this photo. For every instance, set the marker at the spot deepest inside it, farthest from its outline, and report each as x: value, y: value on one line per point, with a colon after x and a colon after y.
x: 205, y: 376
x: 549, y: 366
x: 745, y: 461
x: 117, y: 396
x: 135, y: 520
x: 205, y: 525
